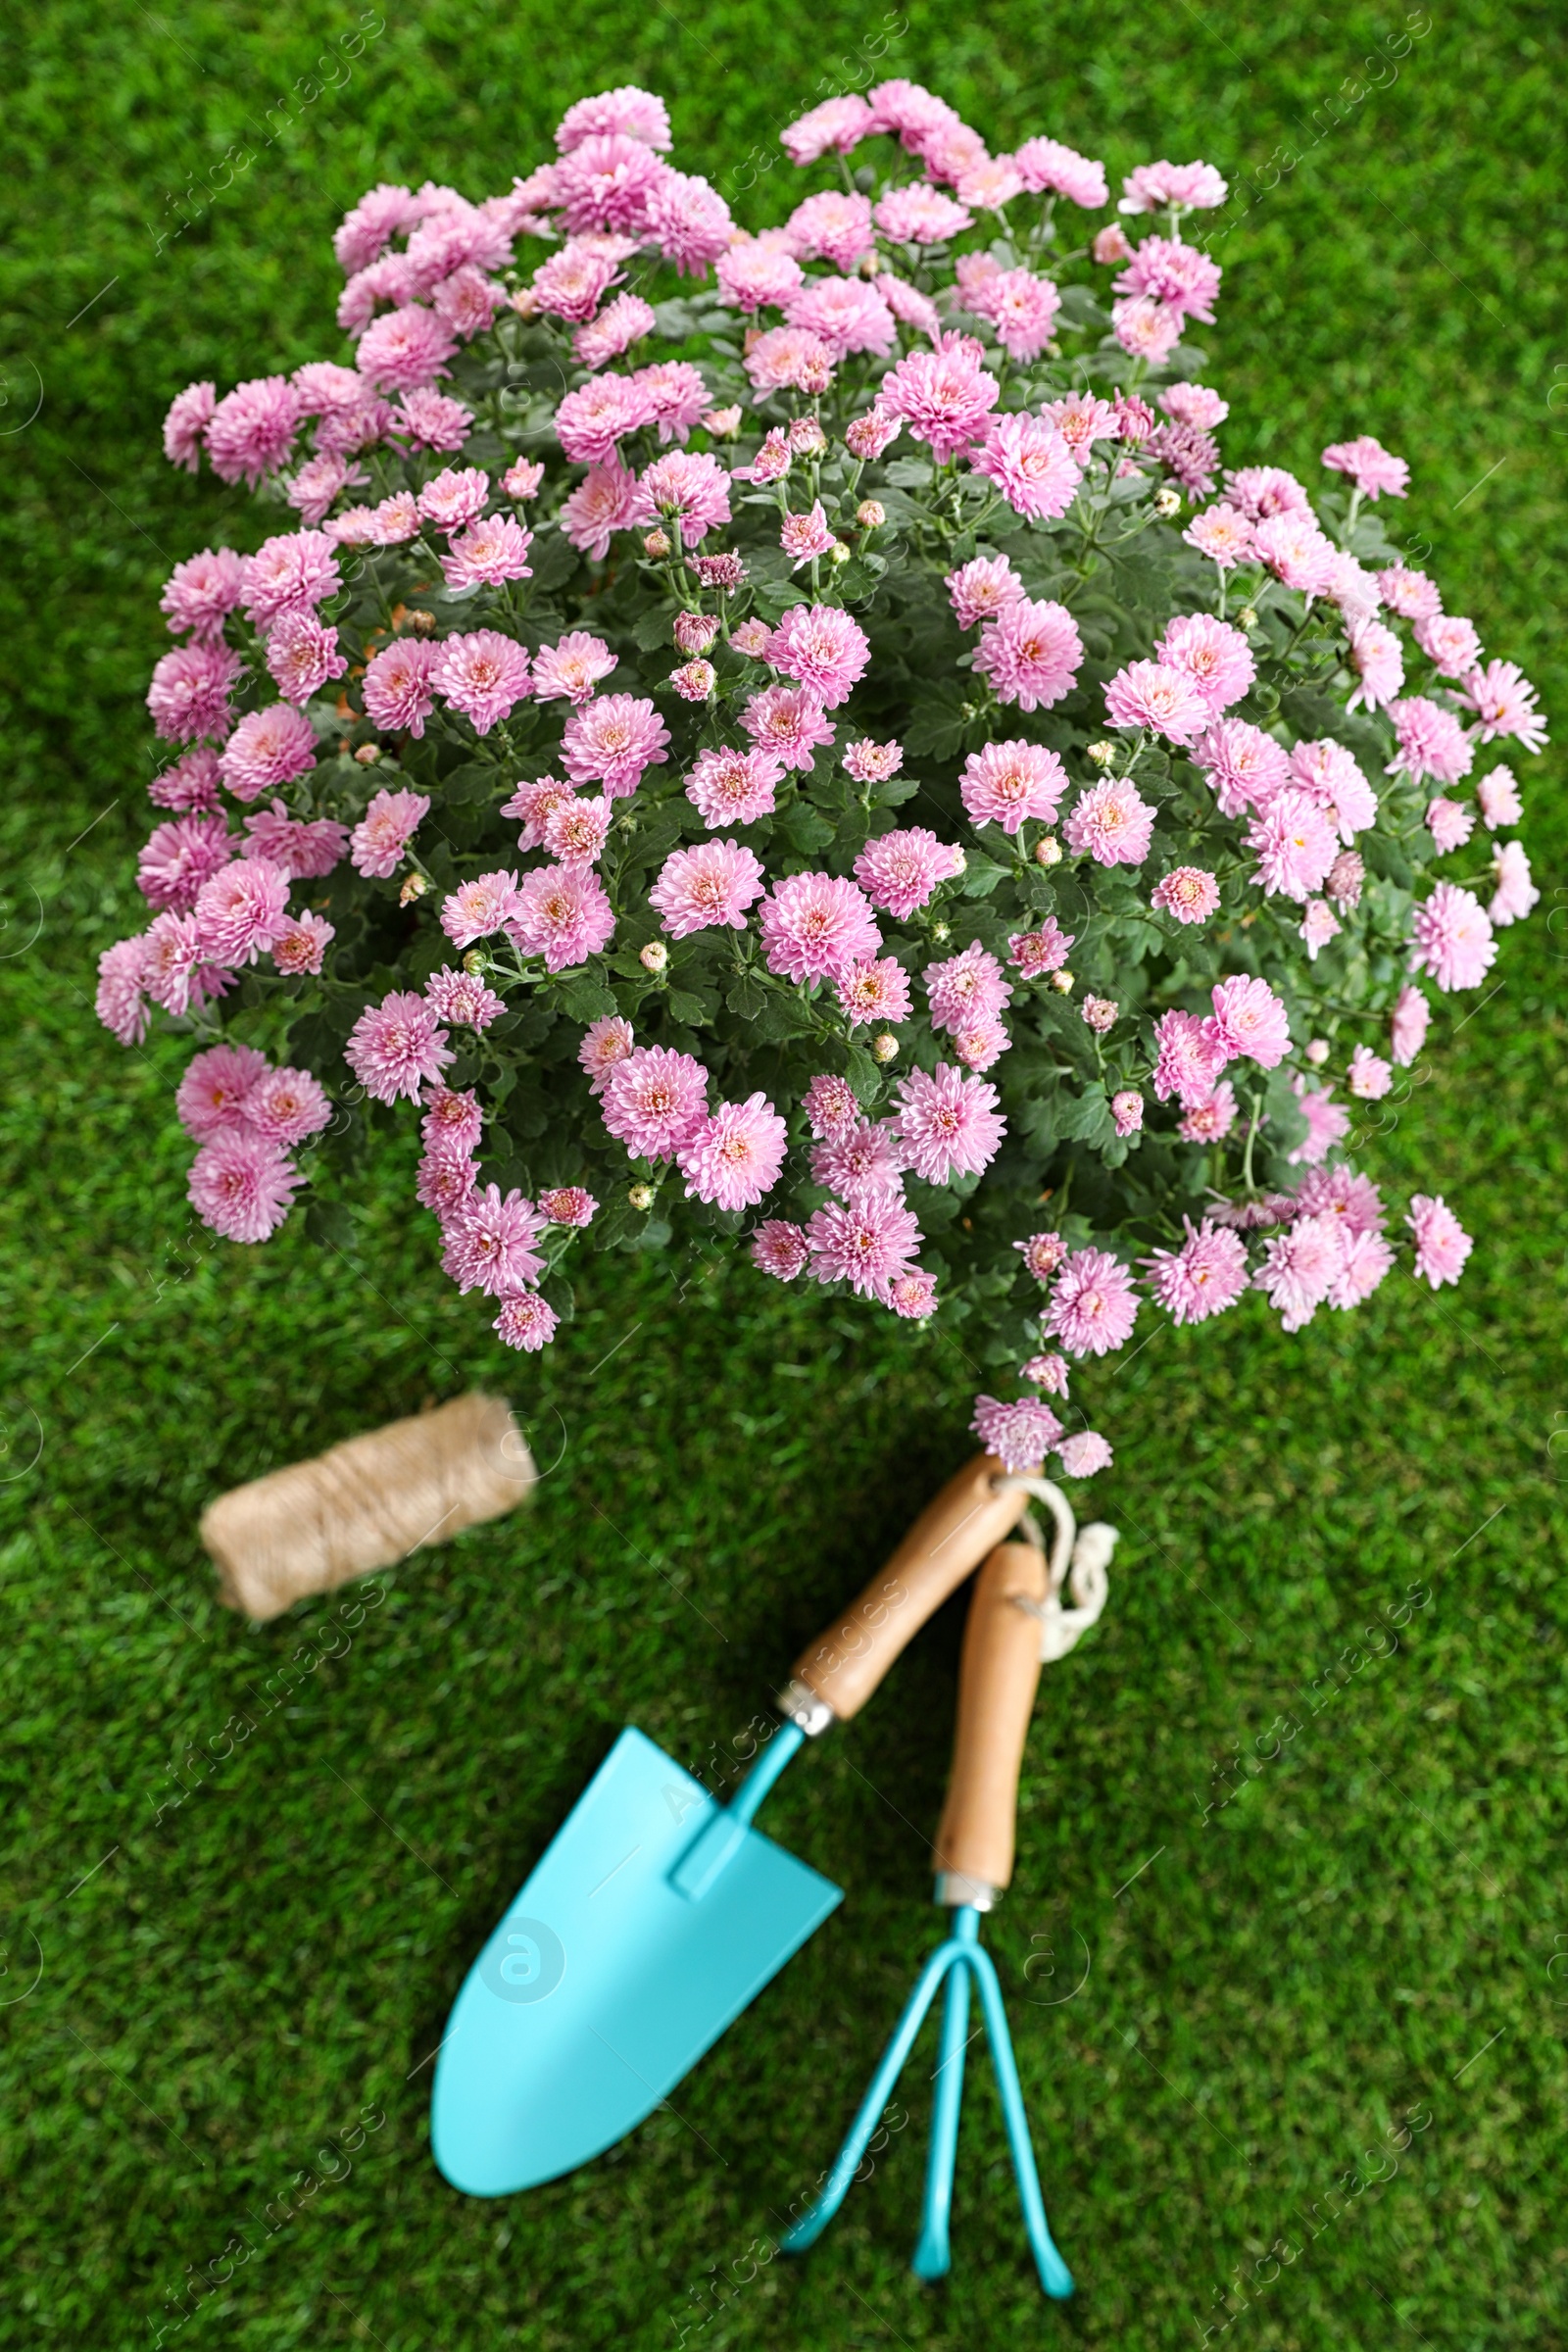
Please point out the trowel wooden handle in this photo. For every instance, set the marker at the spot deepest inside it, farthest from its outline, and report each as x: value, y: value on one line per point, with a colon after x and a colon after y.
x: 996, y: 1680
x: 952, y: 1534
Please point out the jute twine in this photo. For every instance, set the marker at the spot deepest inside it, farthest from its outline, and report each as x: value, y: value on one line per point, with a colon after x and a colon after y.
x: 366, y: 1503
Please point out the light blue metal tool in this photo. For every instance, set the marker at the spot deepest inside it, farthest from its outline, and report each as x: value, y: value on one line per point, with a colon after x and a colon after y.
x: 1014, y: 1621
x: 658, y: 1914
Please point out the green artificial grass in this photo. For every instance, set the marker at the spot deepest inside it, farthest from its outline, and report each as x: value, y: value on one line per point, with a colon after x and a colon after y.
x: 1329, y: 2013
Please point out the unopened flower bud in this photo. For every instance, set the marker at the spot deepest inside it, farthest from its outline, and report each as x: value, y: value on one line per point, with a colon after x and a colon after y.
x: 869, y: 264
x: 1061, y: 982
x: 473, y: 963
x: 1317, y: 1053
x: 368, y: 754
x: 722, y: 424
x: 838, y: 553
x: 870, y: 514
x: 1048, y: 850
x: 884, y: 1046
x: 1111, y: 245
x: 421, y: 623
x: 414, y: 887
x: 641, y: 1196
x: 940, y: 931
x: 655, y: 957
x: 525, y: 302
x: 1246, y: 617
x: 963, y: 866
x: 695, y: 631
x: 1168, y: 500
x: 655, y: 545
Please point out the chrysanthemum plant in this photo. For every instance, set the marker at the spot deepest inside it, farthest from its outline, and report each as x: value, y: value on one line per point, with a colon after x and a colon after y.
x: 798, y: 738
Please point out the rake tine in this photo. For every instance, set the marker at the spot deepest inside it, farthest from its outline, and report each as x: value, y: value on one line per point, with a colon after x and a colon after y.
x: 932, y: 2257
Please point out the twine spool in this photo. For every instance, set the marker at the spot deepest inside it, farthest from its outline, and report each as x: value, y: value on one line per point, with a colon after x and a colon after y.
x: 366, y: 1503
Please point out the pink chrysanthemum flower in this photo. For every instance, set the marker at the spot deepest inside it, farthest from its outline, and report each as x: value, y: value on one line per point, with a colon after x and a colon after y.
x: 568, y: 1205
x: 1449, y: 822
x: 873, y: 762
x: 1454, y: 939
x: 815, y: 926
x: 1378, y: 659
x: 1031, y: 464
x: 822, y: 649
x: 1009, y: 783
x: 708, y: 887
x: 1431, y: 741
x: 847, y: 313
x: 687, y: 487
x: 396, y: 1047
x: 575, y: 831
x: 877, y: 990
x: 572, y: 668
x: 455, y: 497
x: 947, y: 1123
x: 1451, y: 643
x: 524, y: 476
x: 913, y: 1295
x: 1093, y: 1307
x: 1409, y: 1023
x: 1408, y: 593
x: 1022, y: 309
x: 590, y: 420
x: 790, y: 358
x: 779, y: 1248
x: 695, y: 681
x: 1505, y: 702
x: 478, y: 906
x: 628, y: 111
x: 302, y: 656
x: 600, y: 506
x: 981, y: 1041
x: 835, y: 128
x: 1188, y: 893
x: 1031, y: 653
x: 1497, y: 792
x: 1159, y: 697
x: 1515, y: 893
x: 1245, y: 767
x: 180, y: 857
x: 967, y: 987
x: 900, y: 870
x: 173, y: 972
x: 200, y: 591
x: 802, y: 536
x: 1216, y: 657
x: 614, y: 740
x: 733, y: 788
x: 750, y: 275
x: 829, y: 1103
x: 1353, y: 1198
x: 1037, y: 953
x: 190, y: 787
x: 1048, y: 1372
x: 306, y: 851
x: 653, y: 1101
x: 833, y: 228
x: 286, y: 1105
x: 290, y: 573
x: 920, y: 215
x: 302, y: 944
x: 1043, y: 164
x: 1019, y: 1434
x: 1043, y: 1253
x: 1328, y: 1123
x: 606, y: 1043
x: 1296, y: 552
x: 1084, y: 1452
x: 982, y: 588
x: 526, y: 1321
x: 573, y: 283
x: 1369, y: 1076
x: 1180, y: 275
x: 1369, y: 465
x: 1204, y: 1276
x: 212, y: 1096
x: 1319, y: 924
x: 1196, y: 405
x: 564, y: 914
x: 1249, y: 1020
x: 945, y: 397
x: 1148, y: 329
x: 1100, y: 1013
x: 429, y: 420
x: 1188, y: 1056
x: 490, y: 1243
x: 243, y: 1186
x: 1264, y: 490
x: 1127, y: 1111
x: 734, y: 1157
x: 490, y: 552
x: 190, y: 413
x: 1300, y: 1267
x: 788, y: 722
x: 484, y: 676
x: 384, y: 832
x: 867, y: 1241
x: 251, y: 432
x: 1210, y: 1120
x: 1364, y: 1260
x: 1441, y: 1244
x: 859, y: 1161
x: 463, y: 998
x: 189, y: 692
x: 240, y: 910
x: 1295, y: 844
x: 1346, y: 876
x: 406, y: 349
x: 1111, y: 822
x: 1223, y: 533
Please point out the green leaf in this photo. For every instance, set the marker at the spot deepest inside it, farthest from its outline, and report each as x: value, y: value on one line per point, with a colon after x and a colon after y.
x: 746, y: 995
x: 585, y: 999
x: 783, y: 1016
x: 981, y: 875
x: 804, y: 828
x: 684, y: 1006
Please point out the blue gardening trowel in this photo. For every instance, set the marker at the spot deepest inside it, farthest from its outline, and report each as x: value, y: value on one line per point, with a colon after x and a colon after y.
x: 658, y: 1914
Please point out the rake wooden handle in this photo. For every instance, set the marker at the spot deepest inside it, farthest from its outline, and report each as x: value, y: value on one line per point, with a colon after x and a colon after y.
x: 996, y: 1680
x: 971, y: 1515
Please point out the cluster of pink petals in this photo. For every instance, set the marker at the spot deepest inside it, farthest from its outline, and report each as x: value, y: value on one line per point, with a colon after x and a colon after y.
x: 1111, y: 823
x: 734, y: 1157
x: 948, y: 1124
x: 1031, y: 653
x: 1011, y: 783
x: 900, y: 870
x: 707, y: 887
x: 815, y: 926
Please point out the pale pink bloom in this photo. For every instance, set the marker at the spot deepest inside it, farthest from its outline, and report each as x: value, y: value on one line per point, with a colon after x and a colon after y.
x: 708, y: 887
x: 1188, y: 1056
x: 190, y: 786
x: 1216, y: 657
x: 859, y: 1161
x: 1300, y: 1267
x: 384, y: 832
x: 913, y: 112
x: 847, y: 313
x: 877, y: 989
x: 1112, y: 822
x: 1430, y: 742
x: 603, y: 183
x: 981, y: 1041
x: 867, y: 436
x: 1264, y: 490
x: 695, y: 681
x: 1369, y: 465
x: 1296, y: 845
x: 788, y: 722
x: 399, y: 696
x: 1353, y: 1198
x: 189, y: 694
x: 601, y: 505
x: 572, y: 668
x: 1328, y: 1123
x: 1159, y: 697
x: 179, y: 856
x: 982, y: 588
x: 189, y: 413
x: 1019, y: 1434
x: 524, y: 476
x: 1295, y: 551
x: 1504, y: 701
x: 873, y: 762
x: 732, y: 787
x: 836, y: 227
x: 1195, y: 405
x: 476, y: 907
x: 1043, y: 1253
x: 1370, y: 1076
x: 387, y: 279
x: 490, y: 1242
x: 1441, y: 1244
x: 1407, y: 1030
x: 1364, y: 1260
x: 967, y: 987
x: 430, y: 419
x: 590, y: 421
x: 913, y: 1295
x: 407, y: 349
x: 1331, y: 777
x: 1408, y: 593
x: 575, y: 832
x: 217, y: 1085
x: 750, y: 638
x: 1010, y: 783
x: 772, y: 460
x: 1043, y: 164
x: 1319, y: 924
x: 1210, y: 1120
x: 561, y: 914
x: 1454, y: 939
x: 802, y: 536
x: 1249, y: 1020
x: 484, y: 676
x: 614, y: 740
x: 1180, y: 275
x: 1084, y: 1452
x: 1378, y: 659
x: 947, y: 1123
x: 653, y: 1101
x: 835, y: 128
x: 241, y: 1186
x: 908, y: 305
x: 287, y: 1105
x: 1093, y: 1307
x: 750, y: 275
x: 241, y: 911
x: 1100, y: 1013
x: 630, y: 112
x: 867, y: 1241
x: 526, y: 1321
x: 1031, y: 653
x: 790, y: 358
x: 1031, y: 464
x: 395, y: 519
x: 687, y: 486
x: 467, y: 301
x: 1497, y: 792
x: 302, y: 944
x: 1186, y: 187
x: 396, y: 1047
x: 1224, y: 534
x: 1449, y: 822
x: 251, y: 432
x: 1451, y: 644
x: 463, y: 998
x: 1037, y: 953
x: 568, y: 1205
x: 1201, y: 1278
x: 779, y: 1248
x: 920, y: 215
x: 1127, y: 1111
x: 990, y: 184
x: 302, y: 656
x: 317, y: 483
x: 200, y: 591
x: 1082, y: 418
x: 943, y: 396
x: 493, y: 550
x: 822, y: 648
x: 1188, y: 893
x: 606, y: 1043
x: 672, y: 394
x: 173, y: 970
x: 1022, y: 310
x: 1145, y: 327
x: 1347, y: 875
x: 1245, y: 767
x: 1353, y: 589
x: 572, y: 284
x: 1516, y: 893
x: 829, y: 1105
x: 1048, y: 1372
x: 815, y: 926
x: 734, y: 1157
